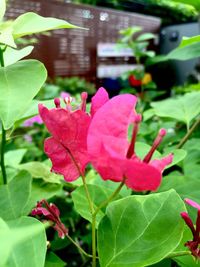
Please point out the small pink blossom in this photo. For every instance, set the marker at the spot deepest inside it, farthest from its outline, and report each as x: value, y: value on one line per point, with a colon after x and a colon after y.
x: 29, y: 122
x: 49, y: 212
x: 193, y: 244
x: 113, y: 156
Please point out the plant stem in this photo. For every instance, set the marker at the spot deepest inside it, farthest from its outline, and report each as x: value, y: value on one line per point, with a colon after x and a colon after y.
x: 94, y: 249
x: 178, y: 254
x: 3, y: 134
x: 114, y: 194
x: 104, y: 203
x: 3, y: 142
x: 94, y: 256
x: 190, y: 131
x: 78, y: 247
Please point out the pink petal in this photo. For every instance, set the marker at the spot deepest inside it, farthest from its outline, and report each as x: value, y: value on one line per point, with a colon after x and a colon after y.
x: 192, y: 203
x: 109, y: 125
x: 109, y: 166
x: 160, y: 164
x: 141, y: 176
x: 54, y: 209
x: 65, y: 126
x: 63, y: 162
x: 98, y: 100
x: 40, y: 211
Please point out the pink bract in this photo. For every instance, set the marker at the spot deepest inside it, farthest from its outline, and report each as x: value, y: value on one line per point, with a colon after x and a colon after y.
x: 193, y: 244
x: 67, y: 148
x: 111, y: 153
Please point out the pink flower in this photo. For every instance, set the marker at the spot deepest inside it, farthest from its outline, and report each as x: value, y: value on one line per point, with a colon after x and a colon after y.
x: 193, y: 244
x: 111, y: 153
x: 50, y: 213
x: 67, y: 148
x: 31, y: 121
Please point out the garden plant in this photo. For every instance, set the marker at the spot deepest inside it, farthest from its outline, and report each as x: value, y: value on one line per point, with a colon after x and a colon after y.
x: 119, y: 180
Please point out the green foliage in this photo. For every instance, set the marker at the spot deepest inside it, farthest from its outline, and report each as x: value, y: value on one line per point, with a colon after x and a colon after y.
x: 23, y: 238
x: 30, y: 23
x: 188, y: 49
x: 128, y: 234
x: 26, y: 75
x: 184, y: 108
x: 98, y: 194
x: 2, y: 8
x: 13, y: 199
x: 11, y: 55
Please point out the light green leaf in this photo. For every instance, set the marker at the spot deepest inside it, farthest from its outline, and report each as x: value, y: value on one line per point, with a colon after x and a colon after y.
x: 19, y: 83
x: 185, y: 52
x: 145, y: 37
x: 133, y: 232
x: 33, y: 108
x: 31, y: 23
x: 178, y: 155
x: 142, y: 149
x: 189, y: 40
x: 98, y: 195
x: 13, y: 55
x: 14, y: 196
x: 2, y: 8
x: 27, y: 240
x: 40, y: 170
x: 14, y: 157
x: 6, y: 37
x: 5, y: 250
x: 184, y: 108
x: 40, y: 190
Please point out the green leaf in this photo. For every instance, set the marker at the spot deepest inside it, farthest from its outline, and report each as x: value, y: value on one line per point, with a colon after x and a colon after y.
x: 133, y: 232
x: 19, y: 83
x: 13, y: 55
x: 142, y: 149
x: 98, y: 195
x: 40, y: 190
x: 14, y: 196
x: 186, y: 52
x: 14, y: 157
x: 5, y: 251
x: 145, y: 37
x: 189, y: 40
x: 184, y: 108
x: 2, y: 8
x: 52, y: 260
x: 31, y: 23
x: 6, y: 37
x: 178, y: 155
x: 33, y: 108
x: 186, y: 187
x: 27, y: 239
x: 40, y: 170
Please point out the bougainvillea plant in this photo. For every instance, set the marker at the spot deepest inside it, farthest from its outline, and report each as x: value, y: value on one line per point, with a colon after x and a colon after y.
x: 126, y: 194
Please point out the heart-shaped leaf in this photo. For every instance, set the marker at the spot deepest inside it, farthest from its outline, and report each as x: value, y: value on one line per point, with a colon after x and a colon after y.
x: 133, y: 232
x: 19, y: 84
